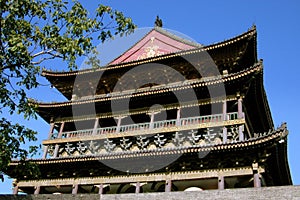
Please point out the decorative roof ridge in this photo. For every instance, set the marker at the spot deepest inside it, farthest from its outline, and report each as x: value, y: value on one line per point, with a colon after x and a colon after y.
x: 203, y: 81
x: 250, y: 32
x: 132, y: 45
x: 280, y: 133
x: 176, y: 37
x: 163, y: 32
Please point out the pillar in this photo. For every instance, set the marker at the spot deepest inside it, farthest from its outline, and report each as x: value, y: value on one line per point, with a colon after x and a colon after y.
x: 240, y: 115
x: 151, y: 120
x: 51, y: 130
x: 100, y: 189
x: 95, y: 126
x: 59, y: 136
x: 224, y: 110
x: 75, y: 189
x: 256, y: 176
x: 241, y: 133
x: 137, y: 187
x: 61, y: 130
x: 240, y: 108
x: 37, y: 189
x: 221, y: 182
x: 224, y: 135
x: 256, y: 180
x: 16, y: 189
x: 168, y: 187
x: 178, y: 117
x: 49, y: 137
x: 119, y: 124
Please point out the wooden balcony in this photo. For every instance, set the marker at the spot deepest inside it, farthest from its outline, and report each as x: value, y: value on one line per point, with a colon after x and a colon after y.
x: 158, y: 126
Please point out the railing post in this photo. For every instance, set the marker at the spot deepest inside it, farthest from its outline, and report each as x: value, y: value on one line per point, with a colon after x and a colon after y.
x: 59, y: 136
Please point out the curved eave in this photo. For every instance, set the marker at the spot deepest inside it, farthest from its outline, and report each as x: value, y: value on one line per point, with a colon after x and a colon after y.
x: 257, y: 106
x: 48, y: 110
x: 248, y: 34
x: 231, y: 55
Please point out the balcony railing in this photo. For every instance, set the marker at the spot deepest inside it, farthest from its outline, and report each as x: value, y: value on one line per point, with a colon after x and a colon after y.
x: 150, y: 126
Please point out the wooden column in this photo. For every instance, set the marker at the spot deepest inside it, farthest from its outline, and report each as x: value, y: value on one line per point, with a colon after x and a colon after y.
x: 95, y: 126
x: 49, y: 137
x: 37, y: 190
x: 75, y: 189
x: 178, y: 117
x: 59, y: 136
x: 16, y: 189
x: 224, y: 118
x: 100, y: 189
x: 168, y: 187
x: 221, y: 182
x: 240, y: 108
x: 151, y: 120
x: 224, y: 110
x: 224, y: 135
x: 241, y: 133
x: 256, y: 176
x: 119, y: 124
x: 137, y: 187
x: 240, y: 115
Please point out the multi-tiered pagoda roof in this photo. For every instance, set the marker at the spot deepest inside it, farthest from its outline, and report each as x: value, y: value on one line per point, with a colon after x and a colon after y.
x: 93, y: 146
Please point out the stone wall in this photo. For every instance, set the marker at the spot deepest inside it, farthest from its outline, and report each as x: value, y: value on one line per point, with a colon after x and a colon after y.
x: 273, y: 193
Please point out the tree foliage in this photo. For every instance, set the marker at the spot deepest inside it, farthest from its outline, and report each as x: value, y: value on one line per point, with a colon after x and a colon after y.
x: 32, y: 32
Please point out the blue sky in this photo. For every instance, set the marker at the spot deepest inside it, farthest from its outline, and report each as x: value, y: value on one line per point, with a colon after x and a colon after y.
x: 213, y: 21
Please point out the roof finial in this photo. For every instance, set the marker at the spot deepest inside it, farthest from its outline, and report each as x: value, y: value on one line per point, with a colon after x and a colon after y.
x: 158, y: 22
